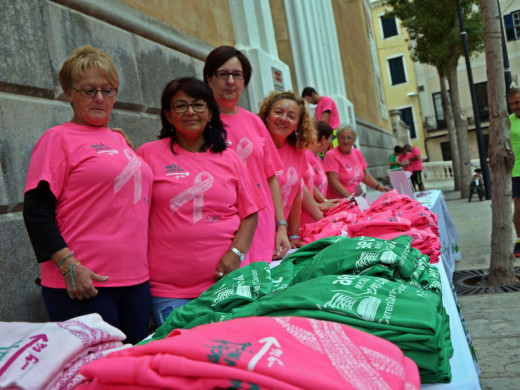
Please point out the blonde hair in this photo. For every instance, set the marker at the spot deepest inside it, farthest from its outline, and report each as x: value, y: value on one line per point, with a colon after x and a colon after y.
x: 305, y: 135
x: 83, y: 58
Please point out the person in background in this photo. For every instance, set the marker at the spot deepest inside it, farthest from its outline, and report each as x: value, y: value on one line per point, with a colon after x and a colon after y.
x: 392, y: 159
x: 326, y: 109
x: 204, y: 207
x: 227, y: 71
x: 415, y: 161
x: 288, y: 123
x: 315, y: 203
x: 87, y: 200
x: 346, y: 167
x: 513, y: 98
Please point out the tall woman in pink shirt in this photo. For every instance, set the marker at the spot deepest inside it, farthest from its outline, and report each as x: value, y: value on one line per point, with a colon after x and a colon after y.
x: 87, y: 200
x: 204, y: 207
x: 291, y: 129
x: 228, y: 71
x: 346, y: 167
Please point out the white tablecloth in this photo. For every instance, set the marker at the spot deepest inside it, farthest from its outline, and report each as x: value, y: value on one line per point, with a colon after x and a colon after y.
x: 434, y: 200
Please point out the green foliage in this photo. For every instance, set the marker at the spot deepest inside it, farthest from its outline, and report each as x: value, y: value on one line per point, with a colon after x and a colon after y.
x: 433, y: 27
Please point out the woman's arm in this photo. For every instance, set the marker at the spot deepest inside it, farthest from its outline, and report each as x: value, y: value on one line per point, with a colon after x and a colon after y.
x: 242, y: 241
x: 311, y: 206
x: 369, y: 180
x: 334, y: 182
x: 282, y: 244
x: 294, y: 221
x: 48, y: 243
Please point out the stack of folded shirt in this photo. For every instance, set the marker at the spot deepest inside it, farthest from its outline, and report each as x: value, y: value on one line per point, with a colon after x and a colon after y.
x: 259, y: 353
x: 49, y: 355
x: 384, y: 287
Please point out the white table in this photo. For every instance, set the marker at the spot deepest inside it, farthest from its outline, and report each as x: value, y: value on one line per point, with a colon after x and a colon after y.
x: 464, y: 370
x: 448, y: 235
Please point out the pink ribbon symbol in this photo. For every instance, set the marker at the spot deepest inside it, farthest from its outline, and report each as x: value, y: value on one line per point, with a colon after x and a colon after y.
x: 203, y: 182
x: 292, y: 179
x: 244, y: 149
x: 132, y: 169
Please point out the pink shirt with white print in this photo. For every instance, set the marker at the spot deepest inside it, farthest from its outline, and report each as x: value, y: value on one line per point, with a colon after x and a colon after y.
x: 319, y: 176
x: 248, y: 136
x: 290, y: 177
x: 349, y: 167
x: 198, y: 202
x: 102, y: 191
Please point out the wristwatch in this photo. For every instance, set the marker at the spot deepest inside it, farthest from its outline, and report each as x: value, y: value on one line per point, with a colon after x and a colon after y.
x: 240, y: 255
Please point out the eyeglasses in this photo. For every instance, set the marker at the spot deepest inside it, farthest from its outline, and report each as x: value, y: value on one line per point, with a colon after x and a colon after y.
x: 181, y: 108
x: 91, y: 92
x: 224, y: 74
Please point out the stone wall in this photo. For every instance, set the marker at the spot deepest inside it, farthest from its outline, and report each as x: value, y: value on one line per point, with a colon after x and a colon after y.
x: 37, y: 36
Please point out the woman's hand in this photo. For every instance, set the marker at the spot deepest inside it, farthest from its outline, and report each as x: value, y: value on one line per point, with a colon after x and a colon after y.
x: 281, y: 242
x: 127, y: 140
x: 328, y: 204
x: 228, y: 263
x: 82, y: 288
x: 296, y: 243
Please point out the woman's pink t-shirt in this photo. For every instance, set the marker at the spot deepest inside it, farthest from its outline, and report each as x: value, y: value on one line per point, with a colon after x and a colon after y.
x: 319, y: 176
x: 290, y: 177
x: 349, y: 167
x: 248, y: 136
x: 103, y: 192
x: 198, y: 202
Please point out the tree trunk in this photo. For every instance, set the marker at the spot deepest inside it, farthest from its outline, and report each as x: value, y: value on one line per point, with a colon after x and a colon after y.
x: 501, y: 270
x: 452, y: 134
x: 461, y: 124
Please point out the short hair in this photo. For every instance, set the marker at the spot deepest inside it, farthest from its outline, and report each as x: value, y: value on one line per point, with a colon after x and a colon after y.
x: 324, y: 130
x: 308, y: 91
x: 398, y: 149
x: 304, y: 135
x: 214, y: 133
x: 83, y: 58
x: 345, y: 127
x: 219, y: 56
x: 513, y: 91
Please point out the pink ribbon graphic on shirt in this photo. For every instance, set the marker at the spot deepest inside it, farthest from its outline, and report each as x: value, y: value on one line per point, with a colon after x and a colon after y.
x: 244, y: 149
x: 132, y: 169
x: 203, y: 182
x: 292, y: 179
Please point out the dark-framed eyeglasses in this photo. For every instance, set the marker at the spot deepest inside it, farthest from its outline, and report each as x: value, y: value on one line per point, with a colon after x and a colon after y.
x: 224, y: 74
x: 181, y: 107
x: 91, y: 92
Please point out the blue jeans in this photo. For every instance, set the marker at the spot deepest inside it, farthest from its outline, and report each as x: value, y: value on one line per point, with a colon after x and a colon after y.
x: 162, y: 307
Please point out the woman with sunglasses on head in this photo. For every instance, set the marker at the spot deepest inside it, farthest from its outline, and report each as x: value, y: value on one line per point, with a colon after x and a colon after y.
x: 227, y: 71
x: 87, y: 200
x: 204, y: 207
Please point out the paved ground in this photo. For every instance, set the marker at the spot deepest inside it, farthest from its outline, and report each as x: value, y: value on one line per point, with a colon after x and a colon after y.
x: 493, y: 320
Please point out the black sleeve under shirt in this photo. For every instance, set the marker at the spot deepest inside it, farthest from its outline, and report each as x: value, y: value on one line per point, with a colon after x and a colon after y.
x: 39, y: 214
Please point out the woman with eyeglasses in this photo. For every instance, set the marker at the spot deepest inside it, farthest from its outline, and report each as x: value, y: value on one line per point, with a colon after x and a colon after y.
x: 87, y: 201
x: 227, y: 71
x: 204, y: 207
x: 346, y: 167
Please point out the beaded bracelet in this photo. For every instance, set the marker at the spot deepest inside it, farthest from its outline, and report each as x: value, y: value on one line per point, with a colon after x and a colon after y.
x: 295, y: 237
x: 65, y: 258
x: 72, y: 272
x: 377, y: 187
x: 70, y: 269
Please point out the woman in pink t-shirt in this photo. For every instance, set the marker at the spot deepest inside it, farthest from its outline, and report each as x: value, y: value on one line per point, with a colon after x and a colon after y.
x: 315, y: 203
x: 228, y: 71
x: 291, y: 129
x: 346, y: 167
x: 87, y: 200
x: 204, y: 207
